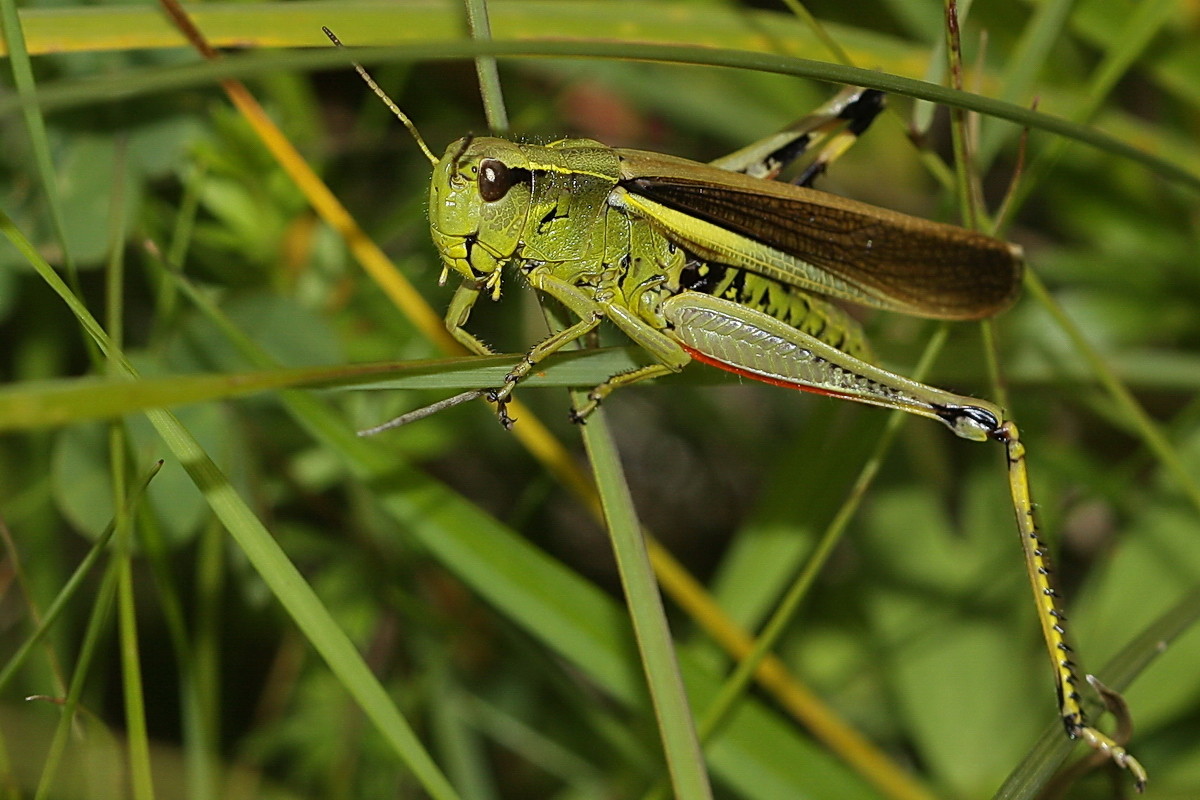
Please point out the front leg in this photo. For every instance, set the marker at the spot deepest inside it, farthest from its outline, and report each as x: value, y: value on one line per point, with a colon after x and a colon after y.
x: 457, y: 315
x: 456, y: 319
x: 576, y: 301
x: 539, y: 351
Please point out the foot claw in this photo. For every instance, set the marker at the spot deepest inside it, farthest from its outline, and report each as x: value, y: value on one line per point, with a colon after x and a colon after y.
x: 502, y: 413
x: 579, y: 415
x: 501, y: 402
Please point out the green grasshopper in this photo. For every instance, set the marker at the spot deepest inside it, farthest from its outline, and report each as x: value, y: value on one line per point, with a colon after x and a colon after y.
x: 720, y: 264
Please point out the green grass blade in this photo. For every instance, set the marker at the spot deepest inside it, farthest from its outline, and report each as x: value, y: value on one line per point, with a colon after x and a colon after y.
x: 1144, y: 24
x: 35, y: 124
x: 97, y: 623
x: 1149, y: 431
x: 486, y: 69
x: 286, y: 582
x: 254, y: 64
x: 73, y: 584
x: 1026, y: 64
x: 36, y: 404
x: 684, y: 760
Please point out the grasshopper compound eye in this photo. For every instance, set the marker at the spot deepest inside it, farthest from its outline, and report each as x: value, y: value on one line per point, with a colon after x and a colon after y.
x: 495, y: 179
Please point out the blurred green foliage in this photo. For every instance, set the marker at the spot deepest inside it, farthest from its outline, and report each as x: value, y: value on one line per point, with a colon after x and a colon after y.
x: 920, y: 631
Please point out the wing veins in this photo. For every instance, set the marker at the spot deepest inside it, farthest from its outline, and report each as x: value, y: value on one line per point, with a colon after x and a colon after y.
x: 931, y: 268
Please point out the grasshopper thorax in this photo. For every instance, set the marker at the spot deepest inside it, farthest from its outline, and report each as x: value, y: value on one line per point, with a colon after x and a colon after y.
x: 478, y: 202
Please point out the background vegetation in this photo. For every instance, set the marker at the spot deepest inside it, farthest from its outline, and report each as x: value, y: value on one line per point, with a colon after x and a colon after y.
x: 475, y: 583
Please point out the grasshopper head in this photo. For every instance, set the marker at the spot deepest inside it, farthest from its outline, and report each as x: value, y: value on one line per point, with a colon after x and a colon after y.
x: 478, y: 201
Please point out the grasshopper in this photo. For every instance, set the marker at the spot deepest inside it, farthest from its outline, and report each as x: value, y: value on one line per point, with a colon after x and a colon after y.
x: 721, y: 264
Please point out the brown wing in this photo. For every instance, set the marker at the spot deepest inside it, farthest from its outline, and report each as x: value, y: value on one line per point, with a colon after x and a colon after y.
x: 897, y: 261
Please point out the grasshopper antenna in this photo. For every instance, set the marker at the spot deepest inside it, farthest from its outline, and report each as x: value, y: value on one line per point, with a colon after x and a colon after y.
x: 422, y: 413
x: 387, y: 101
